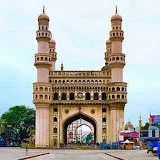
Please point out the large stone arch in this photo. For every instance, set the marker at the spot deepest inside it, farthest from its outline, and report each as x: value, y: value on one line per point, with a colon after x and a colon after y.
x: 77, y: 116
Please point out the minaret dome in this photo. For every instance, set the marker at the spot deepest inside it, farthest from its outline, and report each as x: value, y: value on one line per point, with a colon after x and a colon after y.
x: 116, y: 16
x: 43, y: 16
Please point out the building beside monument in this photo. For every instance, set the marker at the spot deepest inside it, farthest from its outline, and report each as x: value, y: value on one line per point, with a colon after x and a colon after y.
x: 62, y: 97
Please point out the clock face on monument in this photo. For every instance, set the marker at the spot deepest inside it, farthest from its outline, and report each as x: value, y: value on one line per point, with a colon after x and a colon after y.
x: 80, y: 95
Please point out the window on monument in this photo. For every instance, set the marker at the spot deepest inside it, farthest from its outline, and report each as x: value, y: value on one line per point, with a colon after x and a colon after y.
x: 122, y: 89
x: 55, y: 119
x: 41, y: 88
x: 55, y: 96
x: 113, y: 59
x: 113, y: 89
x: 104, y: 130
x: 118, y: 89
x: 122, y: 96
x: 117, y: 58
x: 41, y: 97
x: 88, y: 96
x: 46, y: 97
x: 103, y: 110
x: 118, y: 96
x: 36, y: 96
x: 64, y: 96
x: 104, y: 96
x: 71, y: 96
x: 55, y: 110
x: 96, y: 96
x: 46, y: 89
x: 55, y: 81
x: 87, y: 81
x: 54, y: 130
x: 104, y: 119
x: 113, y: 96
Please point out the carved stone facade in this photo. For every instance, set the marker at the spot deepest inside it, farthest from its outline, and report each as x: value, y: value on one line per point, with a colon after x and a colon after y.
x: 61, y: 96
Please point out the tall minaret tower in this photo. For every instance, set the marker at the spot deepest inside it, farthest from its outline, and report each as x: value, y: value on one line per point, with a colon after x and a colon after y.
x: 117, y: 59
x: 117, y: 89
x: 42, y: 89
x: 52, y: 47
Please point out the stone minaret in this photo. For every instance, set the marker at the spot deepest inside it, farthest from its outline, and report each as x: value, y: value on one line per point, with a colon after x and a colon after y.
x: 42, y: 89
x: 52, y: 47
x: 117, y: 95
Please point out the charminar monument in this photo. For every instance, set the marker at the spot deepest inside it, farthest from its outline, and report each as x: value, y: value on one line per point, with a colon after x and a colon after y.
x: 67, y: 99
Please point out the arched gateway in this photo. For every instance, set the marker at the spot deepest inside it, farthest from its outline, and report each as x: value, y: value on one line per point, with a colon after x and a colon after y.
x: 65, y: 99
x: 75, y: 117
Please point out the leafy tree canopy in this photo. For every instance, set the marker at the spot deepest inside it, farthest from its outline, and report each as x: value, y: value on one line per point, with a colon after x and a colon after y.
x: 21, y: 119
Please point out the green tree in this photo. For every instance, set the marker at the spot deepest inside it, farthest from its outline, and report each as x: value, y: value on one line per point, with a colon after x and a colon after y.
x: 20, y: 120
x: 145, y: 127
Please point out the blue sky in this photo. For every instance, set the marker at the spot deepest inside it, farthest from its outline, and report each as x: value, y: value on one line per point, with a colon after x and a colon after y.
x: 81, y: 29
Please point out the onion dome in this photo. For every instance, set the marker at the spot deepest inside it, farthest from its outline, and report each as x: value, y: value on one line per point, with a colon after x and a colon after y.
x: 116, y: 16
x: 52, y: 41
x: 43, y: 16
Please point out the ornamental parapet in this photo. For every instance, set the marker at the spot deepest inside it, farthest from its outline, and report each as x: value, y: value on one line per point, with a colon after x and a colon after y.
x: 117, y: 92
x: 43, y: 35
x: 78, y: 74
x: 43, y: 60
x: 116, y: 60
x: 116, y: 35
x: 42, y: 92
x: 79, y: 102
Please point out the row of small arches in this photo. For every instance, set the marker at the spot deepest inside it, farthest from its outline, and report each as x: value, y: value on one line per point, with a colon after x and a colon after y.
x: 42, y: 96
x: 117, y: 89
x: 117, y: 96
x: 44, y: 58
x: 117, y: 58
x: 43, y: 27
x: 43, y: 34
x: 46, y: 89
x: 81, y: 88
x: 116, y: 34
x: 116, y: 28
x: 63, y: 96
x: 77, y: 81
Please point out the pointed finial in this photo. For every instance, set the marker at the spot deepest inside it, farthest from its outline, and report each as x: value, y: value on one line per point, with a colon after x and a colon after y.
x: 44, y: 9
x: 116, y: 9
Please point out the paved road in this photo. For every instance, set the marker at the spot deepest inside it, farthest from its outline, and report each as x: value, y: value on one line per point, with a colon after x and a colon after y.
x: 75, y: 155
x: 14, y: 153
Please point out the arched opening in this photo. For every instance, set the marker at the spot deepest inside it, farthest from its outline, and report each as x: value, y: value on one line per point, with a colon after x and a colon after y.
x: 104, y: 119
x: 84, y: 134
x: 55, y: 119
x: 104, y: 110
x: 96, y: 96
x: 55, y: 96
x: 64, y: 96
x: 104, y: 96
x: 88, y: 96
x: 78, y: 117
x: 71, y: 96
